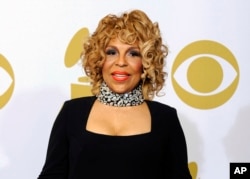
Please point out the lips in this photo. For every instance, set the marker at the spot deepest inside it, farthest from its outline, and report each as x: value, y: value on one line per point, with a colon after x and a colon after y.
x: 120, y: 75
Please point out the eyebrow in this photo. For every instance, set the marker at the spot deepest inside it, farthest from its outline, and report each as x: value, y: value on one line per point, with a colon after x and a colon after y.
x: 130, y: 48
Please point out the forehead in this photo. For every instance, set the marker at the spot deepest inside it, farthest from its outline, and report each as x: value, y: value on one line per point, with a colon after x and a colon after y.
x: 116, y: 42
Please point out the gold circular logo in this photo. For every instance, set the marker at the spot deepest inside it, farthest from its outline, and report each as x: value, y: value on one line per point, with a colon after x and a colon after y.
x: 205, y: 74
x: 5, y: 97
x: 72, y: 56
x: 74, y: 49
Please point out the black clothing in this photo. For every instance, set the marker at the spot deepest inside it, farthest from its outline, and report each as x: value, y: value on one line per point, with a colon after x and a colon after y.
x: 75, y: 153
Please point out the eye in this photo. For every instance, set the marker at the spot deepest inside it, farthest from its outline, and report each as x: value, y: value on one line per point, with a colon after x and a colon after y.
x: 6, y: 79
x: 111, y: 52
x: 7, y: 76
x: 134, y: 53
x: 202, y: 80
x: 205, y: 74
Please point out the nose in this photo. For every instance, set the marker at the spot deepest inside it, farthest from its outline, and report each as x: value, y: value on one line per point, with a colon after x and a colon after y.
x: 121, y: 61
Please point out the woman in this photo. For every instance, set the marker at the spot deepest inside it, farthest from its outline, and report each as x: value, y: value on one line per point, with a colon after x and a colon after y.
x: 119, y: 132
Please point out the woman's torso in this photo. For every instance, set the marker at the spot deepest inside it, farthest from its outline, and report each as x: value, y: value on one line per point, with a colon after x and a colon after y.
x: 95, y: 155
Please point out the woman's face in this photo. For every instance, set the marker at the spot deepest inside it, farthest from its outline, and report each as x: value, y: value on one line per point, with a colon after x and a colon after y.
x: 122, y: 68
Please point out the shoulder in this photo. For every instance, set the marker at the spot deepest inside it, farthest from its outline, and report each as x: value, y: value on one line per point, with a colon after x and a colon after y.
x: 78, y: 105
x: 82, y: 101
x: 163, y: 114
x: 165, y: 117
x: 76, y: 109
x: 159, y: 107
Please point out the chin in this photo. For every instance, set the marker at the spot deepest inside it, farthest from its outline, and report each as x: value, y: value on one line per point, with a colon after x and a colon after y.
x: 120, y: 89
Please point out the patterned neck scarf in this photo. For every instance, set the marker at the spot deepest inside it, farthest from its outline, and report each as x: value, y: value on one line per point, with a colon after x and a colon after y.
x: 108, y: 97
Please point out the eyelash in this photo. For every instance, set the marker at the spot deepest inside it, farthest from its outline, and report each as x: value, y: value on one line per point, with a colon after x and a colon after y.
x: 135, y: 53
x: 110, y: 52
x: 132, y: 53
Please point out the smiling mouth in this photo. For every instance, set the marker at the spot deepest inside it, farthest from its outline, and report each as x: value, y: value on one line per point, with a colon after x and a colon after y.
x: 120, y: 76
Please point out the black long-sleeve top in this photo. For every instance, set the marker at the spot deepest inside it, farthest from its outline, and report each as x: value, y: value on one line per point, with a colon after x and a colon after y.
x: 75, y: 153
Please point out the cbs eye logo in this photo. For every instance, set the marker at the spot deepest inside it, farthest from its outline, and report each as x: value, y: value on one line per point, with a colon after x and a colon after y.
x: 72, y: 57
x: 6, y: 87
x: 205, y: 74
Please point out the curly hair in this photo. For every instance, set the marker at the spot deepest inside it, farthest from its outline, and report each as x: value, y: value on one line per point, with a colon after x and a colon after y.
x: 129, y: 27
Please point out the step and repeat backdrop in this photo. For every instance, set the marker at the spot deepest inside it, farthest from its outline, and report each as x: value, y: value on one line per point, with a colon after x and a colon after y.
x: 208, y: 75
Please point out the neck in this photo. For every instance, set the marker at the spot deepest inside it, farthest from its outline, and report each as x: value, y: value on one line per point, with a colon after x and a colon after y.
x: 132, y: 98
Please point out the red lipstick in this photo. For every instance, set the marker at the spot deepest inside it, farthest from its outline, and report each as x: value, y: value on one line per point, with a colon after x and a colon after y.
x: 120, y: 75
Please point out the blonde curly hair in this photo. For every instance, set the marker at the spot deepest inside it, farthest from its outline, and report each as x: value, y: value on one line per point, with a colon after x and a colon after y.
x: 130, y: 27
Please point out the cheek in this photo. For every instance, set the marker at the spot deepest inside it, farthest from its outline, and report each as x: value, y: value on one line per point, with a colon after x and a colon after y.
x: 106, y: 66
x: 137, y: 66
